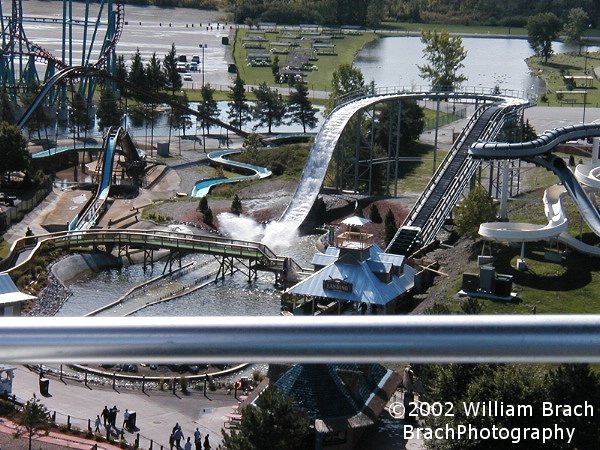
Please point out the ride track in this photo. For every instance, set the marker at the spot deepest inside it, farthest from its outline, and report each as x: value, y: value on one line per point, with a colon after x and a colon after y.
x: 538, y: 151
x: 435, y: 204
x: 16, y: 44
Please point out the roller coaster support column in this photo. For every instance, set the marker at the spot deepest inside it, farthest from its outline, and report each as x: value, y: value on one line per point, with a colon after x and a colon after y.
x: 504, y: 197
x: 359, y: 117
x: 435, y: 140
x: 521, y: 265
x: 398, y: 122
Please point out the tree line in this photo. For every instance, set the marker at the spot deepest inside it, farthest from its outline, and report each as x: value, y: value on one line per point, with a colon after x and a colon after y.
x: 371, y: 13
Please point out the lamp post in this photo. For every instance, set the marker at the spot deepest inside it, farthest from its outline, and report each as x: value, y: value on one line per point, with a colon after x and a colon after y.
x: 585, y: 75
x: 202, y: 46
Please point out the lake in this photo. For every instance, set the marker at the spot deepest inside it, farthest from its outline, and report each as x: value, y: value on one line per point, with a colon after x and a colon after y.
x: 490, y: 62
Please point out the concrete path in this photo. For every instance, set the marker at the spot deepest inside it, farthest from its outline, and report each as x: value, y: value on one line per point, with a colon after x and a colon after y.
x: 156, y: 411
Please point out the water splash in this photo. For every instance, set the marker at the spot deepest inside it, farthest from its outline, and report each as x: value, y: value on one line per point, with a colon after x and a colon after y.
x: 275, y: 235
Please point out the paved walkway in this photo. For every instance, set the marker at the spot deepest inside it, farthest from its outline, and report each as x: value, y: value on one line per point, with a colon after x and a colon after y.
x: 156, y: 411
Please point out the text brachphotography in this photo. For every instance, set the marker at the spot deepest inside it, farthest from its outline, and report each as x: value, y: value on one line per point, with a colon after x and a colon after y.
x: 471, y: 432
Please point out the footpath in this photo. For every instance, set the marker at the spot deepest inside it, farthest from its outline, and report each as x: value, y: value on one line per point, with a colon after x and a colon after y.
x: 157, y: 412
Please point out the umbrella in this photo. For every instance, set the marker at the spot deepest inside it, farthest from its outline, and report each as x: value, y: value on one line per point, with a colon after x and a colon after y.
x: 355, y: 221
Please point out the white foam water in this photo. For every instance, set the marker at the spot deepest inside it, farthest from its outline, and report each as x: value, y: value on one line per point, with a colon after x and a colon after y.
x: 277, y: 236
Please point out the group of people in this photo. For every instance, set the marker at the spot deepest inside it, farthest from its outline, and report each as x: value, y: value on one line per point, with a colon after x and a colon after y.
x: 109, y: 418
x: 177, y: 437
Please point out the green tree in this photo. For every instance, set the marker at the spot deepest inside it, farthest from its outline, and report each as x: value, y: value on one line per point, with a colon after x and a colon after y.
x: 345, y: 80
x: 390, y: 227
x: 375, y: 13
x: 269, y: 109
x: 40, y: 118
x: 203, y: 205
x: 109, y: 111
x: 13, y: 150
x: 80, y: 113
x: 137, y: 74
x: 238, y: 112
x: 575, y: 26
x: 412, y: 123
x: 300, y: 109
x: 34, y: 417
x: 7, y: 110
x: 476, y: 209
x: 374, y: 214
x: 208, y: 107
x: 154, y: 74
x: 445, y: 55
x: 542, y: 29
x: 273, y: 423
x: 236, y: 205
x: 275, y: 67
x: 121, y: 69
x: 208, y: 216
x: 576, y: 384
x: 251, y: 145
x: 172, y: 75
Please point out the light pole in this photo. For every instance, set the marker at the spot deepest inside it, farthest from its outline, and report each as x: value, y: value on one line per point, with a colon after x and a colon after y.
x: 585, y: 75
x: 202, y: 46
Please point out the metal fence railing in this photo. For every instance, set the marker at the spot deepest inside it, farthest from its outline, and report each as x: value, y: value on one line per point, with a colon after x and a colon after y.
x: 15, y: 213
x: 511, y: 338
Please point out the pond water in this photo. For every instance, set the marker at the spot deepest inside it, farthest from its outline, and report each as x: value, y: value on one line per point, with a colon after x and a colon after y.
x: 490, y: 62
x: 235, y: 296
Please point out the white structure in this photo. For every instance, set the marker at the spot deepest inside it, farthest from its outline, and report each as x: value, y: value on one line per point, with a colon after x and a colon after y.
x: 11, y: 299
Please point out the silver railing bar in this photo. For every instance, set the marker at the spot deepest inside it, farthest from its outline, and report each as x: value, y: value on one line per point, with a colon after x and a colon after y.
x: 491, y: 338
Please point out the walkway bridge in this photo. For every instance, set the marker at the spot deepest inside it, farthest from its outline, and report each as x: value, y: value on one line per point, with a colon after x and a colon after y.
x: 251, y: 256
x: 446, y: 186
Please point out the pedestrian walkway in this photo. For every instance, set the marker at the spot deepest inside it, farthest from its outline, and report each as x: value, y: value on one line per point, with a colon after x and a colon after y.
x: 156, y: 411
x: 53, y: 438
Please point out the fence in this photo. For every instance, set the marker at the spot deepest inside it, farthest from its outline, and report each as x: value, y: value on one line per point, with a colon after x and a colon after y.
x: 14, y: 214
x: 79, y: 426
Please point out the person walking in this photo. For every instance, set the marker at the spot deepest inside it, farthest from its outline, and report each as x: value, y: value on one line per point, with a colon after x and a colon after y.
x: 97, y: 423
x: 198, y: 439
x: 206, y: 443
x: 171, y: 441
x: 178, y: 436
x: 188, y: 444
x: 105, y: 414
x: 126, y: 419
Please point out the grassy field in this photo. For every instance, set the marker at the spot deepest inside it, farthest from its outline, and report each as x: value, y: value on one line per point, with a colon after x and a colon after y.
x: 320, y: 79
x: 562, y: 64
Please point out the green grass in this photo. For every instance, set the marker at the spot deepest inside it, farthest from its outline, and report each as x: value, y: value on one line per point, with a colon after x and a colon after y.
x: 572, y: 287
x: 289, y: 158
x: 4, y: 248
x: 567, y: 64
x: 320, y: 79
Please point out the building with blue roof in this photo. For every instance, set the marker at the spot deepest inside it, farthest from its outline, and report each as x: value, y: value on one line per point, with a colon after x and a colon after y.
x: 352, y: 274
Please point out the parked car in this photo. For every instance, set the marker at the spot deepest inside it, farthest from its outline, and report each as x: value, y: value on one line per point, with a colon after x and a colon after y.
x: 196, y: 59
x: 187, y: 77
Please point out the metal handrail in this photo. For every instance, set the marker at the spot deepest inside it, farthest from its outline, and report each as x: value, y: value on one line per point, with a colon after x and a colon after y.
x: 441, y: 339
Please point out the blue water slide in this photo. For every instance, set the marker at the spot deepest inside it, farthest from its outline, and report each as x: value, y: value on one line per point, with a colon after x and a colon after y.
x: 203, y: 187
x: 91, y: 211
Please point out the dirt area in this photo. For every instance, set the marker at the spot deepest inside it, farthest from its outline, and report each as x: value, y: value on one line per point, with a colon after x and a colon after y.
x: 452, y: 261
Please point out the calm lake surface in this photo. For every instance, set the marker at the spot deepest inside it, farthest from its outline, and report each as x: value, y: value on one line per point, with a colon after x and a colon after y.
x: 392, y: 61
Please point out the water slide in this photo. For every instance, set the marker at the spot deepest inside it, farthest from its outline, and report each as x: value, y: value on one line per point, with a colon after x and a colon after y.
x: 526, y: 232
x: 322, y: 150
x: 95, y: 206
x: 532, y: 151
x: 202, y: 188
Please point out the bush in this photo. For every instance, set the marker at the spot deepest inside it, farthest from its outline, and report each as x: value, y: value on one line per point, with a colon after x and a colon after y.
x: 7, y: 408
x: 208, y: 217
x: 203, y: 205
x: 476, y: 209
x: 374, y: 214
